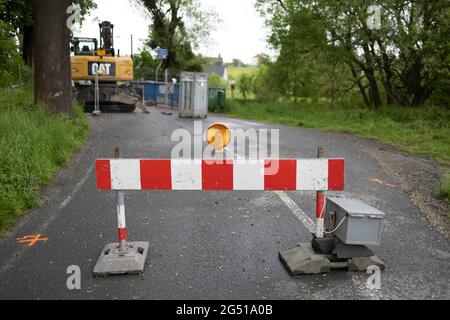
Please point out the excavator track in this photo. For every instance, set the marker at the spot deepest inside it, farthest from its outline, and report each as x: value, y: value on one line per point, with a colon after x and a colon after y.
x: 112, y: 97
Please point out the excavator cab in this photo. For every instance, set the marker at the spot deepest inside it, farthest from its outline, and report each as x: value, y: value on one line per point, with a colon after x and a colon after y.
x: 84, y: 46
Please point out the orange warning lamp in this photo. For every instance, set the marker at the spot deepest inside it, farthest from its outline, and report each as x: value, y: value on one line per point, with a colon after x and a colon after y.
x: 218, y: 136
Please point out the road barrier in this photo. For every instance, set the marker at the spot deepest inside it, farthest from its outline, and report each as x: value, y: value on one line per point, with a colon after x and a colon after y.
x: 148, y: 174
x: 205, y: 175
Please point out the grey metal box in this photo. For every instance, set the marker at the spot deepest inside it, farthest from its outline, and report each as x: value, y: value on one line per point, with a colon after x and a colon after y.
x: 362, y: 224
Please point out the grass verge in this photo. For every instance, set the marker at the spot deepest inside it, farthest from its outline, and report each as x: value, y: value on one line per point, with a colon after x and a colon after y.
x: 33, y: 147
x: 421, y: 131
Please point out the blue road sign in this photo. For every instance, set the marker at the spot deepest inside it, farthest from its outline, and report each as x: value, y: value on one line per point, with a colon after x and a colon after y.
x: 161, y: 53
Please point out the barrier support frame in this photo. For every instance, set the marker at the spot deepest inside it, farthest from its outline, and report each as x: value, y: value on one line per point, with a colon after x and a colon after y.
x: 304, y: 259
x: 121, y: 257
x: 130, y: 258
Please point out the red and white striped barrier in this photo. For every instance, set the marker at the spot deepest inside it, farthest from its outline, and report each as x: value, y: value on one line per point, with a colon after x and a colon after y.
x: 148, y: 174
x: 151, y: 174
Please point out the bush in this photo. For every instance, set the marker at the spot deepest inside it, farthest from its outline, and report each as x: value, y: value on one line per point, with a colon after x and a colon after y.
x: 245, y: 84
x: 12, y: 67
x: 215, y: 81
x: 262, y: 86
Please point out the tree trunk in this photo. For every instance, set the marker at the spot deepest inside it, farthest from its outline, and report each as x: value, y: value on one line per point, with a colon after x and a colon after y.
x: 27, y: 45
x: 375, y: 92
x: 52, y: 71
x: 171, y: 30
x: 362, y: 90
x: 414, y: 80
x: 369, y: 70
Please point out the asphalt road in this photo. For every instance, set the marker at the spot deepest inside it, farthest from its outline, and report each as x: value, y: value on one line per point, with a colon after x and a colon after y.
x: 212, y: 245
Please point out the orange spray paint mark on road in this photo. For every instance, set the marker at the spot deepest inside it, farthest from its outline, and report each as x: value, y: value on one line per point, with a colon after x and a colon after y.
x: 31, y: 240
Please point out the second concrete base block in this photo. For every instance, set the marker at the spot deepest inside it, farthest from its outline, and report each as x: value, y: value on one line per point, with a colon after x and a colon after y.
x: 302, y: 260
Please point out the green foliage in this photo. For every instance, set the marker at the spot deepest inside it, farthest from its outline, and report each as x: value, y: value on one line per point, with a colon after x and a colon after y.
x: 236, y: 63
x: 423, y: 131
x: 33, y: 146
x: 215, y: 81
x: 263, y: 87
x: 235, y: 73
x: 12, y: 69
x: 16, y: 14
x: 8, y: 53
x: 189, y: 61
x: 145, y: 65
x: 245, y: 84
x: 19, y: 13
x: 86, y: 6
x: 326, y: 49
x: 179, y: 26
x: 307, y: 65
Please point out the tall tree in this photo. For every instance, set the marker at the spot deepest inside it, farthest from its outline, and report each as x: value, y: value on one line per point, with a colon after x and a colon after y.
x: 52, y: 71
x: 179, y: 26
x: 19, y: 15
x: 404, y: 60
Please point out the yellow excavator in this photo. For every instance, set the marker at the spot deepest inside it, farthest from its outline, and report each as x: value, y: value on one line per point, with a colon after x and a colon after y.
x: 115, y: 73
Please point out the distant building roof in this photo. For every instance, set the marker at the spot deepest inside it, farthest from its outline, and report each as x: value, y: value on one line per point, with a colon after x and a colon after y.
x: 220, y: 70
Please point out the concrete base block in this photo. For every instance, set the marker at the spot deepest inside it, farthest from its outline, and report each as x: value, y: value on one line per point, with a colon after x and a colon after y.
x: 115, y: 262
x: 302, y: 259
x: 361, y: 264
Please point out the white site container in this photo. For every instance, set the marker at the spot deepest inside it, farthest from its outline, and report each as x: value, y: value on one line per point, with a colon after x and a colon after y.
x: 193, y: 95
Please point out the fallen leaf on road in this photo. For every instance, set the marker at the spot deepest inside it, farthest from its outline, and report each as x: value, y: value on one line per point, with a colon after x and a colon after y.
x: 382, y: 182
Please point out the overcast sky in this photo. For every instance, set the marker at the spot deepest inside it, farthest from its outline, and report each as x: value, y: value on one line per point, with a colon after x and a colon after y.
x: 241, y: 34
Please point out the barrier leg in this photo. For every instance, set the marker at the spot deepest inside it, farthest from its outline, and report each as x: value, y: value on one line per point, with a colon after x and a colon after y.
x: 320, y: 202
x: 320, y: 207
x: 121, y: 220
x: 122, y: 257
x: 302, y: 259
